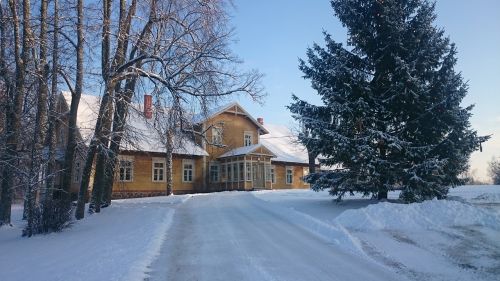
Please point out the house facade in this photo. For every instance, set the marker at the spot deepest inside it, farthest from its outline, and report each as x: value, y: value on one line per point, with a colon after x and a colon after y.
x: 235, y: 152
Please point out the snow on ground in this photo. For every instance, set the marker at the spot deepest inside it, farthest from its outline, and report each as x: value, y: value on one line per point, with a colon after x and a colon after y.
x: 267, y: 235
x: 117, y: 244
x: 455, y: 239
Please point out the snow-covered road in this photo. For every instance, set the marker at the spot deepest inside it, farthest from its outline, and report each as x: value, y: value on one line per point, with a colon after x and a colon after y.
x: 235, y: 236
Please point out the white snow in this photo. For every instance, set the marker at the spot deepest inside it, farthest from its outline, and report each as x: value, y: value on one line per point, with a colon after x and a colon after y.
x: 117, y: 244
x: 267, y: 235
x: 455, y: 239
x: 283, y: 142
x: 244, y: 150
x: 140, y: 131
x: 417, y: 216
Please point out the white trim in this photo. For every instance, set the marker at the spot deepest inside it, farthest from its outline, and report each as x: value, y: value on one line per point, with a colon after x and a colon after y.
x: 214, y: 164
x: 288, y: 168
x: 160, y: 160
x: 250, y: 134
x: 126, y: 158
x: 189, y: 162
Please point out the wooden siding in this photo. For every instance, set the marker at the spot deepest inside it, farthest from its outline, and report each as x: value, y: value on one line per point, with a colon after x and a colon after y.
x: 298, y: 173
x: 142, y: 180
x: 234, y: 127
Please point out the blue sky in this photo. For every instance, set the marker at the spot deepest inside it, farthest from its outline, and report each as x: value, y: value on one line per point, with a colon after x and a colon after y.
x: 272, y: 34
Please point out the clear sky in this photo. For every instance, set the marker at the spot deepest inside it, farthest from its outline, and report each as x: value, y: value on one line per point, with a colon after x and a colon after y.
x: 272, y: 34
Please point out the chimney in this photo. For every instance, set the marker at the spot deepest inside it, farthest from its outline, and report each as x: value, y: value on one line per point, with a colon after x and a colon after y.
x: 148, y: 106
x: 260, y: 120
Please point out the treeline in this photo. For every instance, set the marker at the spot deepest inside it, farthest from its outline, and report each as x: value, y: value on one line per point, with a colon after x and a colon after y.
x: 178, y: 51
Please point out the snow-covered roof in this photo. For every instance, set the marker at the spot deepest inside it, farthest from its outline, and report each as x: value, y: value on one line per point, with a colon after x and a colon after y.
x: 200, y: 118
x: 284, y: 144
x: 244, y: 150
x: 140, y: 133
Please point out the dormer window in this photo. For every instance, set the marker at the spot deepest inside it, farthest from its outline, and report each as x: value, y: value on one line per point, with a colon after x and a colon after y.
x: 216, y: 135
x: 248, y: 138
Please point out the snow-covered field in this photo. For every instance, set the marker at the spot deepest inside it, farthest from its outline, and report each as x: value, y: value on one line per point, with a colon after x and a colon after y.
x: 268, y: 235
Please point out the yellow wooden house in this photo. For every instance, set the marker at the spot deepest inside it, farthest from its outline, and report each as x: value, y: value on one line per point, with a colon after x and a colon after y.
x: 238, y: 152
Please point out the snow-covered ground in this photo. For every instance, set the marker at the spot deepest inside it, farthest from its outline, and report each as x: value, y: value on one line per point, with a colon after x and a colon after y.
x: 268, y: 235
x: 455, y: 239
x: 117, y: 244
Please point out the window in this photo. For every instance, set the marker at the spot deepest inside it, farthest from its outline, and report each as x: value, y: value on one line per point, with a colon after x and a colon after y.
x: 229, y: 172
x: 78, y: 171
x: 216, y: 135
x: 223, y: 172
x: 248, y: 138
x: 126, y: 169
x: 214, y: 172
x: 158, y: 170
x: 273, y: 176
x: 187, y: 170
x: 268, y: 172
x: 235, y: 172
x: 242, y: 171
x: 249, y: 171
x: 289, y: 175
x: 305, y: 172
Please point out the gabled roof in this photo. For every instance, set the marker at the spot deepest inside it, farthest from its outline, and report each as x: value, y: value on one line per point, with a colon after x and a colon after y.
x: 259, y: 149
x: 284, y: 143
x: 200, y: 118
x: 140, y: 134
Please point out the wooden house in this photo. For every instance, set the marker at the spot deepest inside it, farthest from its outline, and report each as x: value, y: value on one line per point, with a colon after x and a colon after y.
x: 237, y: 152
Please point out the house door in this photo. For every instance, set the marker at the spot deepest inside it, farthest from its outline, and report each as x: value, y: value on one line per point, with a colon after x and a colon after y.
x: 258, y: 175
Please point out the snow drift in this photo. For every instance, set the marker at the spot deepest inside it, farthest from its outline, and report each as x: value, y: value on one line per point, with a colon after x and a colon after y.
x: 426, y: 215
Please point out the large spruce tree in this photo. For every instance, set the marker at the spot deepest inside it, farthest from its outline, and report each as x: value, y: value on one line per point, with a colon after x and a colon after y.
x: 391, y: 116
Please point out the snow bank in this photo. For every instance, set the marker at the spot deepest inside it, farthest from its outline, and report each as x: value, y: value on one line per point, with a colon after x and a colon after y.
x: 426, y: 215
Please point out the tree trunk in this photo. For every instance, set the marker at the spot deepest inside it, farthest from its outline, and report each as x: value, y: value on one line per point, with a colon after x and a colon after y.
x: 50, y: 140
x: 69, y: 155
x: 39, y: 134
x: 312, y: 161
x: 15, y: 106
x: 119, y: 121
x: 168, y: 160
x: 102, y: 159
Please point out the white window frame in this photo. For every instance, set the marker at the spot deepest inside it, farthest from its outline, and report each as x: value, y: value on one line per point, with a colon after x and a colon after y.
x: 248, y: 171
x: 245, y: 135
x: 184, y: 163
x: 289, y: 168
x: 267, y: 172
x: 120, y: 167
x: 211, y: 171
x: 217, y: 135
x: 153, y: 168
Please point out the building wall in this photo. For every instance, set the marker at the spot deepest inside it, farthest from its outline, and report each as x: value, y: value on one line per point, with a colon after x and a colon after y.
x: 142, y: 183
x: 298, y: 172
x: 234, y: 127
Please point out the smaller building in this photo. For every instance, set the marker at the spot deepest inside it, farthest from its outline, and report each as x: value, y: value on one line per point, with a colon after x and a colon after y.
x: 238, y: 152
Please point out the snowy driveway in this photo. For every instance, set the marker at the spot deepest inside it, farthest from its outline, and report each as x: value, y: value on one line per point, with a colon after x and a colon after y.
x: 235, y: 236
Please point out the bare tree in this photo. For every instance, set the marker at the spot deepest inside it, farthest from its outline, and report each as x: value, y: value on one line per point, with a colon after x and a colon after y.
x: 22, y: 48
x: 494, y: 170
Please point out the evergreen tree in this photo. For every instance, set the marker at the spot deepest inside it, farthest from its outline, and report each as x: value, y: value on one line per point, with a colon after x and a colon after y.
x: 390, y: 116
